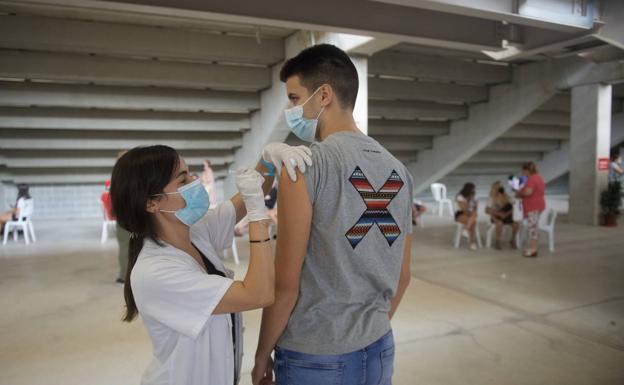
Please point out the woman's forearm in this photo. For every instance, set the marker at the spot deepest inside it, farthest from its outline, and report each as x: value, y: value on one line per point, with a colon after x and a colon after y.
x: 260, y: 277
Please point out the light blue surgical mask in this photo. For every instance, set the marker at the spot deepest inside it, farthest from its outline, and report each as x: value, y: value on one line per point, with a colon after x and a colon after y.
x: 197, y: 203
x: 304, y: 128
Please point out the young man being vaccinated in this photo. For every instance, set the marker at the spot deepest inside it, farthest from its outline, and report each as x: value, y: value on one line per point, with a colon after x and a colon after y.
x: 342, y: 260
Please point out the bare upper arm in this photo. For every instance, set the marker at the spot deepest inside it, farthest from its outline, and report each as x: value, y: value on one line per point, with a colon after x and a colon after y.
x: 294, y: 222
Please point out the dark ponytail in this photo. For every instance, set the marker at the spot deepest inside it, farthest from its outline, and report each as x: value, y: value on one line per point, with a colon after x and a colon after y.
x: 137, y: 176
x: 134, y: 248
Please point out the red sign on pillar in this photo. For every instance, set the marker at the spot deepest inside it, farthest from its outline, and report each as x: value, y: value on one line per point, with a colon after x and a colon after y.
x: 603, y: 164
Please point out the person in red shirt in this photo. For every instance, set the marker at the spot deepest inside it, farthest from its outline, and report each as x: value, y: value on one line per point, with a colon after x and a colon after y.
x: 106, y: 201
x: 533, y: 203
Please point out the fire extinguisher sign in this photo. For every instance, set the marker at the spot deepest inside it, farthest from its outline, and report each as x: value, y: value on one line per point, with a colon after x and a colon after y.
x: 603, y: 164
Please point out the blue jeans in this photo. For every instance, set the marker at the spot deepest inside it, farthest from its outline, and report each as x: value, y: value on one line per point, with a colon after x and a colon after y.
x: 373, y: 365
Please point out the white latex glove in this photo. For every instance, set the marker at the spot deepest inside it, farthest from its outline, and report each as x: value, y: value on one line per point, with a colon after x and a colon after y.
x: 291, y: 157
x: 249, y: 183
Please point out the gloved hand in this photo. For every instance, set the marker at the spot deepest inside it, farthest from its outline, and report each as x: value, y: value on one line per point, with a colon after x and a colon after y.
x: 249, y: 183
x: 291, y: 157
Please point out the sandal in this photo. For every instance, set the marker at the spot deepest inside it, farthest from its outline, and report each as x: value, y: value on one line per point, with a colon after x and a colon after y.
x: 529, y: 254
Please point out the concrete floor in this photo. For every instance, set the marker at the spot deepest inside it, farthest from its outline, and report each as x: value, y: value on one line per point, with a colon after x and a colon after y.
x: 483, y: 317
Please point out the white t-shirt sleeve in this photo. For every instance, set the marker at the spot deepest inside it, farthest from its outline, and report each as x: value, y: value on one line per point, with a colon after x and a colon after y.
x: 178, y: 296
x: 218, y: 225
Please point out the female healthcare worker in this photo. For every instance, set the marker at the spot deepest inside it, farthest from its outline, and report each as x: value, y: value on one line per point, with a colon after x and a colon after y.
x: 187, y: 299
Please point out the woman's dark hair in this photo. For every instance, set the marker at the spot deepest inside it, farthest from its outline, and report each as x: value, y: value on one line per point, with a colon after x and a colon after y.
x: 325, y: 64
x: 530, y: 167
x: 615, y: 153
x: 137, y: 176
x: 468, y: 191
x: 23, y: 191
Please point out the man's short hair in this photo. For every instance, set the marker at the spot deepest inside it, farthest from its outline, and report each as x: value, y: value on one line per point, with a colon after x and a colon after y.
x: 325, y: 64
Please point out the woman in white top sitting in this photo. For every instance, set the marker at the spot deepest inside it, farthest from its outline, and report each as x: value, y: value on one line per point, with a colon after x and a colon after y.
x: 466, y: 213
x: 188, y: 301
x: 23, y: 194
x: 500, y: 210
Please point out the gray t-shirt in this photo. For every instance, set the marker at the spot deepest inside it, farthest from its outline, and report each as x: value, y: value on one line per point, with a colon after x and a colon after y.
x: 361, y: 197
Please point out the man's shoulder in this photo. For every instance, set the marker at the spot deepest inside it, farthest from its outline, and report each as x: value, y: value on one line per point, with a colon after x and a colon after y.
x: 326, y: 149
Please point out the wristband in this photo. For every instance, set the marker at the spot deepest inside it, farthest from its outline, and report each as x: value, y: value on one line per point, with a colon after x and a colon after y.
x: 269, y: 166
x: 254, y: 241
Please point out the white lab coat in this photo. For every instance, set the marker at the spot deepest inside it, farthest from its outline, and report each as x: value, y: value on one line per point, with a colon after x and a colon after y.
x: 176, y: 298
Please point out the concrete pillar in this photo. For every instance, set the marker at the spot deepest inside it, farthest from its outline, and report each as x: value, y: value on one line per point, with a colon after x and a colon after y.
x: 360, y: 112
x: 268, y: 125
x: 589, y: 141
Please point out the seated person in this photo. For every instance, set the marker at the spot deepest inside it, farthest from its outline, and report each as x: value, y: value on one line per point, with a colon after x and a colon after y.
x: 418, y: 209
x: 467, y: 212
x: 270, y: 201
x: 13, y: 215
x: 500, y: 209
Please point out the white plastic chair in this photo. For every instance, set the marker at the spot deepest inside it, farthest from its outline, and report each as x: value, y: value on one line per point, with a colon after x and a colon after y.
x: 458, y: 235
x: 108, y: 221
x: 490, y: 233
x: 234, y: 250
x: 23, y: 223
x: 546, y: 224
x: 438, y: 190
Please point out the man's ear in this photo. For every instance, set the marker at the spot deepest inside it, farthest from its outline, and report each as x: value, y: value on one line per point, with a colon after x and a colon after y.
x: 151, y: 206
x: 327, y: 95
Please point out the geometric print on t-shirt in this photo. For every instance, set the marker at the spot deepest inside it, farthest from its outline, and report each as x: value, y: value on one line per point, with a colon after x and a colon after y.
x: 376, y: 208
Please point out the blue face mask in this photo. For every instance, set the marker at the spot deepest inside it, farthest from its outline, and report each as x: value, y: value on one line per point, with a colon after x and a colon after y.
x: 304, y: 128
x: 197, y: 202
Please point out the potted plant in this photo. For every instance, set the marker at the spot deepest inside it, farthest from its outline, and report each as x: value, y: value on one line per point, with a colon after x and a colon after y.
x: 610, y: 202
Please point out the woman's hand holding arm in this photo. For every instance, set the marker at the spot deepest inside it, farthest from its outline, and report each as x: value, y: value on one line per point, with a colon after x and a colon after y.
x: 274, y: 156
